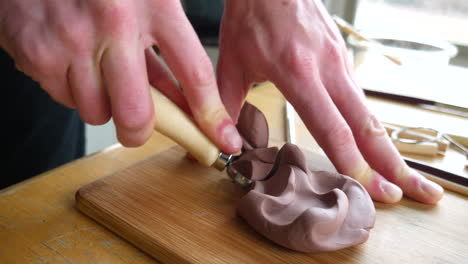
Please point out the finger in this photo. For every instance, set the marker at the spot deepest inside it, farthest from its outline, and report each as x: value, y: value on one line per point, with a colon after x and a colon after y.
x: 322, y: 118
x: 233, y: 87
x: 57, y: 87
x: 160, y: 77
x: 191, y: 65
x: 125, y: 78
x: 91, y: 98
x: 374, y: 143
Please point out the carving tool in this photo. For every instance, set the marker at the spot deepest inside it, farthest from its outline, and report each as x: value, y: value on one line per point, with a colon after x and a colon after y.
x: 172, y: 122
x: 419, y: 136
x: 413, y: 136
x: 417, y: 140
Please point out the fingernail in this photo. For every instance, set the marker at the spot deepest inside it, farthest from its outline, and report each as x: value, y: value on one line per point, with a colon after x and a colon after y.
x: 432, y: 190
x: 392, y: 192
x: 231, y: 137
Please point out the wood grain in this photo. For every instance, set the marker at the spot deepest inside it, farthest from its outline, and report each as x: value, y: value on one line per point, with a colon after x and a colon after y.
x: 179, y: 212
x: 39, y: 222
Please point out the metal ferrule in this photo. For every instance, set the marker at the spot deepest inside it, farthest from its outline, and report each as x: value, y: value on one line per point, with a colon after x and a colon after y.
x: 222, y: 161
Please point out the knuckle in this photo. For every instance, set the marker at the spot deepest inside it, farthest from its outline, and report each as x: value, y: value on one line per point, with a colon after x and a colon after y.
x: 206, y: 116
x: 133, y: 116
x: 203, y: 74
x: 340, y: 139
x: 116, y: 8
x: 74, y: 36
x: 371, y: 127
x: 300, y: 63
x: 116, y: 18
x: 333, y: 50
x: 35, y: 57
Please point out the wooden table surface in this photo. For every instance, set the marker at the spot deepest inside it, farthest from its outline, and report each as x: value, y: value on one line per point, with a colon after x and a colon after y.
x: 40, y: 224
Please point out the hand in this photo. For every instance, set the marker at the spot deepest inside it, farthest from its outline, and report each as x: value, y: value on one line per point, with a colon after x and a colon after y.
x: 96, y: 55
x: 295, y: 44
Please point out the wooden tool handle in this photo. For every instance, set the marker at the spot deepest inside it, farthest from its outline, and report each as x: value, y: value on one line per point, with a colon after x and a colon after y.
x: 172, y: 122
x: 425, y: 148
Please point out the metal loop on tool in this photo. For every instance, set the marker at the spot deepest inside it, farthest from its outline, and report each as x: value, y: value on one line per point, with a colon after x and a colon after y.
x: 237, y: 177
x: 396, y: 135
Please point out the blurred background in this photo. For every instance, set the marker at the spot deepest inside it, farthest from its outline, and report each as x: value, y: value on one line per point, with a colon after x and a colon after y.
x: 421, y: 33
x: 444, y: 19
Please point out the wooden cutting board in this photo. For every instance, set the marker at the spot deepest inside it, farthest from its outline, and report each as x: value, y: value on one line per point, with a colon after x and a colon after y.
x: 180, y: 212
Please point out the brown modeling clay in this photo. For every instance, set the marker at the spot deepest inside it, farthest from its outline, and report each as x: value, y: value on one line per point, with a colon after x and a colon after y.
x: 308, y: 211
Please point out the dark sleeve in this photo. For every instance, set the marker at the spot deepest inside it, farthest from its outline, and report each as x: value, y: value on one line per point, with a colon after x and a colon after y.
x: 38, y: 133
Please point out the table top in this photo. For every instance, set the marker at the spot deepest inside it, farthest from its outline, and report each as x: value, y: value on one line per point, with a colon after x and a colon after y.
x: 40, y: 224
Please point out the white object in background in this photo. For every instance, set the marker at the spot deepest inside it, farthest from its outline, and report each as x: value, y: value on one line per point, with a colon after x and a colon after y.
x: 290, y: 123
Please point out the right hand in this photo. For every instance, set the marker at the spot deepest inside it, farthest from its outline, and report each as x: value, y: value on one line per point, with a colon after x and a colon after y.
x: 296, y: 45
x: 96, y: 55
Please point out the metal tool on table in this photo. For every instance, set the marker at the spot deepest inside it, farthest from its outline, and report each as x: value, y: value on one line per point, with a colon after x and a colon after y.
x: 417, y: 136
x: 172, y: 122
x: 413, y: 137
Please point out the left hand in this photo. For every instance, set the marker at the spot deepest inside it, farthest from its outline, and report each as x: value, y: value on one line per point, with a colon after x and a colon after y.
x: 295, y: 44
x: 96, y: 56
